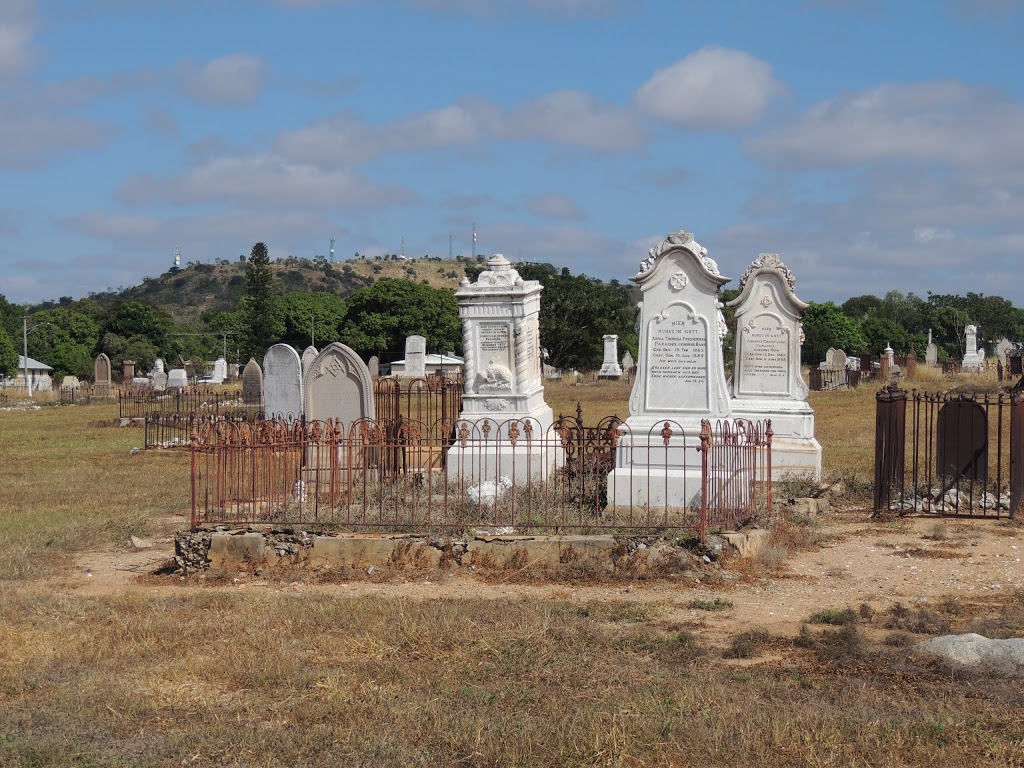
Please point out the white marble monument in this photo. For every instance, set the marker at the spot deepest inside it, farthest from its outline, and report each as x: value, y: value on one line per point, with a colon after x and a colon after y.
x: 220, y: 371
x: 680, y: 377
x: 767, y: 382
x: 610, y: 368
x: 931, y: 352
x: 177, y: 378
x: 971, y: 360
x: 415, y: 357
x: 503, y: 380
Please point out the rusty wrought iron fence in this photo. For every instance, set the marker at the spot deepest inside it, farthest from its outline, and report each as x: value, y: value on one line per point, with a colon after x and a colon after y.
x: 80, y: 395
x: 949, y: 455
x: 175, y: 430
x: 823, y: 380
x: 448, y: 476
x: 426, y: 400
x: 135, y: 403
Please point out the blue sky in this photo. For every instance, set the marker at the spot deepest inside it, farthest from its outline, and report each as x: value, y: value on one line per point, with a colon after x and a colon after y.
x: 874, y: 145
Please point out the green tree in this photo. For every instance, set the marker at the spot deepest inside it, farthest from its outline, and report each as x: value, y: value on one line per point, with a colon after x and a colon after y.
x: 137, y: 331
x: 8, y: 354
x: 878, y: 332
x: 263, y: 325
x: 380, y: 316
x: 316, y: 314
x: 65, y: 340
x: 10, y: 317
x: 576, y: 311
x: 825, y: 325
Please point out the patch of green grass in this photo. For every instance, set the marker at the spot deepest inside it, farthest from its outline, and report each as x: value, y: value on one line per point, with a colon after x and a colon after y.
x: 714, y: 604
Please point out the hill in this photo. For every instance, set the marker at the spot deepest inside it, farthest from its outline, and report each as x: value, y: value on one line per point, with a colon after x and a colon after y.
x: 189, y: 291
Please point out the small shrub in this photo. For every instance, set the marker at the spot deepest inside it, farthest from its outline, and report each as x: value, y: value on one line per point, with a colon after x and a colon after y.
x: 835, y: 617
x: 920, y: 622
x: 746, y: 645
x: 714, y: 604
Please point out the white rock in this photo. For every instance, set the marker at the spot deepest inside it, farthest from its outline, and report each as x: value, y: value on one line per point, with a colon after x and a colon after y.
x: 1003, y: 657
x: 488, y: 491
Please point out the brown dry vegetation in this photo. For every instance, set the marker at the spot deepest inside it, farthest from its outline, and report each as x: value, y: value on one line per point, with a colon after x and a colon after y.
x: 165, y: 672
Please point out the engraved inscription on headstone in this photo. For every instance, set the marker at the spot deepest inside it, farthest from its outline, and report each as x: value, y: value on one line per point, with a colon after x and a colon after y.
x: 282, y: 382
x: 677, y: 362
x: 415, y: 357
x: 764, y: 363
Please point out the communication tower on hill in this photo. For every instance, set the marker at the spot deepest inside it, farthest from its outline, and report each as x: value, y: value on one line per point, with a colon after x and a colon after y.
x: 331, y: 257
x: 177, y: 257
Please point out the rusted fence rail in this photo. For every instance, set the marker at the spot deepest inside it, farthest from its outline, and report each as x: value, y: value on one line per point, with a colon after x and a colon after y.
x: 505, y: 476
x: 136, y: 403
x: 949, y: 455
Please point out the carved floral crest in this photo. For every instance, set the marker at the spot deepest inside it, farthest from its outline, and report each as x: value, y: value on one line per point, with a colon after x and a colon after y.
x: 769, y: 261
x: 684, y: 239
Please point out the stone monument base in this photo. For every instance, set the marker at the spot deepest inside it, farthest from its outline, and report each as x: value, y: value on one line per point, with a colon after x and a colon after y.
x: 795, y: 450
x: 488, y: 452
x: 610, y: 371
x: 652, y: 474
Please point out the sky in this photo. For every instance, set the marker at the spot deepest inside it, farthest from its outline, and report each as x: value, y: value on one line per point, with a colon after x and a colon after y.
x: 874, y: 145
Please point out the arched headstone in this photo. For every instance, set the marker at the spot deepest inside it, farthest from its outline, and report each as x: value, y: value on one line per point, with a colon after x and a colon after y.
x: 338, y: 386
x: 282, y: 382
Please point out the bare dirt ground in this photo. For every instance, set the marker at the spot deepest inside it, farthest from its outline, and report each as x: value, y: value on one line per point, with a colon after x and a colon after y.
x: 911, y: 561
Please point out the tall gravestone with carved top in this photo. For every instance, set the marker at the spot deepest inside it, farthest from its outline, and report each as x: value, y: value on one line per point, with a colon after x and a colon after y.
x: 282, y: 382
x: 338, y: 386
x: 503, y: 385
x: 103, y: 384
x: 252, y: 385
x: 767, y: 382
x: 971, y: 362
x: 680, y: 377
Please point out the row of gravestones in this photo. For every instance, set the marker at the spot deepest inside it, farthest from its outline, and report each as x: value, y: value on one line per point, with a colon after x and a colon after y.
x: 331, y: 384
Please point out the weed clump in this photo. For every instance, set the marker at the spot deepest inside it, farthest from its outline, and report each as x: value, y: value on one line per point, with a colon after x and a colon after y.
x: 747, y: 644
x: 834, y: 616
x: 714, y: 604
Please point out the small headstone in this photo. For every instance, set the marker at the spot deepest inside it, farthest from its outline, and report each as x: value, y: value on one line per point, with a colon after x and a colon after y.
x: 838, y: 360
x: 887, y: 364
x: 70, y: 382
x: 415, y: 357
x: 220, y: 371
x: 374, y: 366
x: 1004, y: 346
x: 104, y: 386
x: 44, y: 383
x: 971, y: 361
x: 912, y: 365
x: 627, y: 361
x: 252, y: 384
x: 282, y: 382
x: 830, y: 357
x: 159, y: 381
x: 610, y: 368
x: 232, y: 371
x: 308, y: 356
x: 128, y: 370
x: 177, y: 378
x: 338, y: 386
x: 158, y: 365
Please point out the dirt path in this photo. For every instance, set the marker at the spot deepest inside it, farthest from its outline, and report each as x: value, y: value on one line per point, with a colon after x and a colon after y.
x: 908, y: 561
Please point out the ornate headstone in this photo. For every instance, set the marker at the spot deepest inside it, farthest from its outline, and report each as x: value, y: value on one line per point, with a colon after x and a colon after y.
x: 374, y: 366
x: 680, y: 377
x: 177, y: 378
x: 158, y: 365
x: 252, y: 384
x: 338, y: 386
x: 415, y: 357
x: 610, y: 368
x: 627, y: 362
x: 282, y: 382
x: 503, y: 381
x: 220, y: 371
x: 887, y: 367
x: 104, y: 386
x: 308, y: 356
x: 971, y: 360
x: 767, y: 382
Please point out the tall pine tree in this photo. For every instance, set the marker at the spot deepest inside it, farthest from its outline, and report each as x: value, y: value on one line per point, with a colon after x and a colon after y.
x: 262, y: 322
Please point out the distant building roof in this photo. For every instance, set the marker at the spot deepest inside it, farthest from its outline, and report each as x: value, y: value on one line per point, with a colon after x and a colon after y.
x: 33, y: 365
x: 435, y: 359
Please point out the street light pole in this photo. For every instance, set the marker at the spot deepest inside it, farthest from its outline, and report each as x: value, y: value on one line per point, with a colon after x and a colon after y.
x: 24, y: 353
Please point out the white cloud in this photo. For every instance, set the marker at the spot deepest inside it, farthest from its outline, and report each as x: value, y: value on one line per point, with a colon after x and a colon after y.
x: 713, y: 88
x: 235, y: 80
x: 16, y: 31
x: 30, y: 134
x: 943, y: 122
x: 555, y: 206
x: 577, y: 119
x: 265, y: 180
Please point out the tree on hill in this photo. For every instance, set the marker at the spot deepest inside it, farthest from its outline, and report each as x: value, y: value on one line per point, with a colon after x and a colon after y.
x: 380, y: 316
x: 825, y: 325
x: 309, y: 316
x: 576, y: 311
x: 137, y: 331
x: 263, y: 325
x: 8, y: 354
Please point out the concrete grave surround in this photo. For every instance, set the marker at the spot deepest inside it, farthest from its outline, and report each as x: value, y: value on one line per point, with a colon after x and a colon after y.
x: 338, y: 386
x: 767, y: 381
x: 680, y: 376
x: 503, y: 376
x: 282, y: 382
x: 415, y: 354
x: 177, y: 378
x: 252, y: 384
x: 610, y: 368
x: 971, y: 361
x: 308, y: 356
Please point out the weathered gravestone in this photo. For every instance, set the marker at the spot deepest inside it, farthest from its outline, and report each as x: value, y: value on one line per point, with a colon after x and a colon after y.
x: 680, y: 377
x: 503, y: 380
x: 308, y: 356
x: 767, y: 381
x: 338, y: 386
x: 220, y: 371
x: 610, y: 368
x: 70, y: 382
x: 374, y: 366
x: 931, y: 352
x: 627, y: 362
x: 1004, y: 346
x: 838, y: 360
x: 415, y: 357
x: 282, y: 382
x: 232, y: 371
x: 44, y: 383
x: 971, y: 360
x: 177, y: 378
x: 159, y: 381
x: 912, y: 365
x: 158, y: 365
x: 252, y: 384
x: 103, y: 385
x: 962, y: 440
x: 128, y: 371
